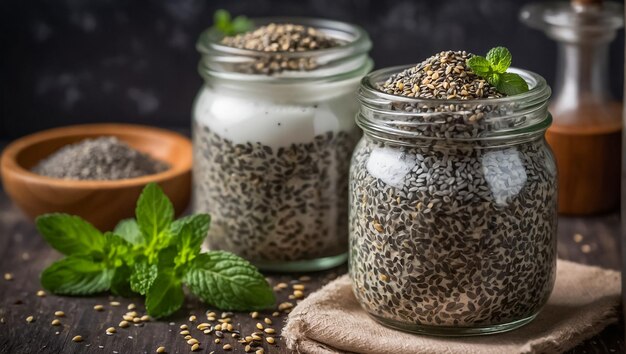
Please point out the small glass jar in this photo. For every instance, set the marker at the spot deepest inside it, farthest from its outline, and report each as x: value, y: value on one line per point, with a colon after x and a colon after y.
x: 453, y: 210
x: 273, y: 134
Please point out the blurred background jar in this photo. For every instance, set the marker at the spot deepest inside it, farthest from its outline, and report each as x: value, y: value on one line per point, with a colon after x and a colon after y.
x: 273, y: 135
x: 586, y: 133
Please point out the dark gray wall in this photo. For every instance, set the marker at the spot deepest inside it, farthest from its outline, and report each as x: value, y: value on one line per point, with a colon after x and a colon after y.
x: 73, y: 61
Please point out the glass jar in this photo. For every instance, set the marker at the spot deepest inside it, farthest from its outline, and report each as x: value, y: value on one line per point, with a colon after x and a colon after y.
x: 273, y: 134
x: 453, y: 210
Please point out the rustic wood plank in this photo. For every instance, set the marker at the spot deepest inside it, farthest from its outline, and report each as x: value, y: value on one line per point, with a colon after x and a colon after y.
x: 24, y: 254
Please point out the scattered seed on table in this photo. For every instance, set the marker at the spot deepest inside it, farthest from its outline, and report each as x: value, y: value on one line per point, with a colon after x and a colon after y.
x: 187, y: 337
x: 111, y: 330
x: 195, y: 347
x: 247, y: 348
x: 59, y: 313
x: 192, y: 341
x: 77, y: 339
x: 270, y: 340
x: 8, y: 276
x: 260, y: 351
x: 184, y: 332
x: 131, y: 306
x: 217, y: 341
x: 124, y: 324
x: 585, y: 248
x: 227, y: 347
x: 298, y: 287
x: 55, y: 322
x: 41, y: 293
x: 202, y: 326
x: 267, y: 321
x: 219, y: 334
x: 298, y: 294
x: 254, y: 315
x: 275, y: 314
x: 30, y: 319
x: 270, y: 330
x: 114, y: 303
x: 218, y: 327
x: 282, y: 285
x: 259, y: 326
x: 578, y: 238
x: 304, y: 278
x: 160, y: 350
x: 137, y: 320
x: 98, y: 308
x: 145, y: 318
x: 256, y: 337
x: 207, y: 331
x: 192, y: 318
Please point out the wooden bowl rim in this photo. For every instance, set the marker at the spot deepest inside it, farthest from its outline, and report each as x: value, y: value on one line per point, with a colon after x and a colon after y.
x: 9, y: 165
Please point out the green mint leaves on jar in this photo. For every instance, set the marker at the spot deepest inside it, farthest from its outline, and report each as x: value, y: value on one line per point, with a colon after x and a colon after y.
x: 223, y: 22
x: 152, y: 255
x: 493, y: 69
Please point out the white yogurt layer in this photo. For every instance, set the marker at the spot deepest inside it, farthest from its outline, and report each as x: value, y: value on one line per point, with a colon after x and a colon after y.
x: 267, y: 120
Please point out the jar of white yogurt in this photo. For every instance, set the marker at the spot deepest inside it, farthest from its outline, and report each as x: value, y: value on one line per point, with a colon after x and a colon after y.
x: 273, y: 135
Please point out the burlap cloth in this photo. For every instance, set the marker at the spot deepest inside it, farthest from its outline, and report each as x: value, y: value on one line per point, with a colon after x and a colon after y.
x: 585, y: 300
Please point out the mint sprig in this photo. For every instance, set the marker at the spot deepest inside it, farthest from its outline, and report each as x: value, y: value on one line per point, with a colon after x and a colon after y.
x: 493, y: 69
x: 152, y: 255
x: 223, y: 22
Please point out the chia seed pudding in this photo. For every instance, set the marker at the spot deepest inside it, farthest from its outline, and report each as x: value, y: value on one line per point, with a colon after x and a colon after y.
x: 452, y: 201
x: 273, y: 139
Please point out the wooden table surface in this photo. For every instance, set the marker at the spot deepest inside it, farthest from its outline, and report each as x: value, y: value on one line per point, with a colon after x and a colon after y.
x: 24, y: 254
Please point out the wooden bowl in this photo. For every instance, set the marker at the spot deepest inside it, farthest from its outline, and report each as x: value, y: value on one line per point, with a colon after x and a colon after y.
x: 103, y: 203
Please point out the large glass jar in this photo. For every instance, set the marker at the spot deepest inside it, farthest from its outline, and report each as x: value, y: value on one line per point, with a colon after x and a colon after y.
x: 453, y: 210
x: 272, y: 149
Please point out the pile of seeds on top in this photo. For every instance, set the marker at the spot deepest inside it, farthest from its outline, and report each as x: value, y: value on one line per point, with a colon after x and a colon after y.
x: 446, y: 76
x: 103, y: 158
x: 281, y: 38
x: 442, y: 76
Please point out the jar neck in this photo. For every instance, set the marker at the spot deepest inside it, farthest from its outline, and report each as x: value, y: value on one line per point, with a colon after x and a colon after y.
x: 344, y: 62
x: 409, y: 121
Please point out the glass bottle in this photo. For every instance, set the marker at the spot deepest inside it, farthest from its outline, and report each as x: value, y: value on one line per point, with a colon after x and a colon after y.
x: 586, y: 133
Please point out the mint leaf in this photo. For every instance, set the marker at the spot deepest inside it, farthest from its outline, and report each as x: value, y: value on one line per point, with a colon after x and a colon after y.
x: 199, y: 223
x: 222, y: 22
x: 76, y: 276
x: 479, y: 65
x: 241, y: 24
x: 511, y: 84
x: 119, y: 282
x: 154, y: 216
x: 143, y: 277
x: 70, y: 234
x: 187, y: 245
x: 221, y: 19
x: 117, y: 251
x: 228, y: 282
x: 128, y: 229
x: 500, y: 59
x: 165, y: 296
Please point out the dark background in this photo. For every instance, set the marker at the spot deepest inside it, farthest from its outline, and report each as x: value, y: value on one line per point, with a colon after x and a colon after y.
x: 76, y: 61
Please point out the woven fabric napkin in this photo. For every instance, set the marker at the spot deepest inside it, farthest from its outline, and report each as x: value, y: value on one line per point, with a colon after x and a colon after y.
x: 584, y: 301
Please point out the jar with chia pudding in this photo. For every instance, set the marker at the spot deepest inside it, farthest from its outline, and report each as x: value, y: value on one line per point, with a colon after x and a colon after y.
x: 453, y: 198
x: 273, y: 135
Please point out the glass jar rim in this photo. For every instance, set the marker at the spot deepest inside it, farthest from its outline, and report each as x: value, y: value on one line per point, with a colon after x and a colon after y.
x: 519, y: 115
x: 355, y: 44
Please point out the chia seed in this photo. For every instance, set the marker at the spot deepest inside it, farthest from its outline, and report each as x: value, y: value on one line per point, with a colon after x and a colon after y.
x: 103, y: 158
x: 275, y: 204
